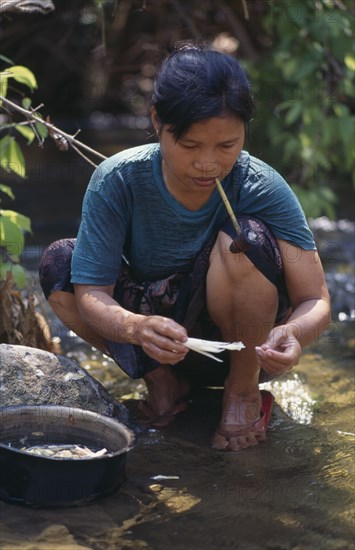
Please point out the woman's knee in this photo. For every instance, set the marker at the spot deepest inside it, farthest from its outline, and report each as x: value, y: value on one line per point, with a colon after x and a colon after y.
x: 233, y: 265
x: 262, y: 248
x: 262, y: 253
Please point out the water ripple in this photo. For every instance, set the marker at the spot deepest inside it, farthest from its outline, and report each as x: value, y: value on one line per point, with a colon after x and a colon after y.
x: 293, y: 397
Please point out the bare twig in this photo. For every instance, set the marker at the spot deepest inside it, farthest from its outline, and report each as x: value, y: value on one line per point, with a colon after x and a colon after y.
x: 31, y: 116
x: 245, y: 9
x: 38, y: 137
x: 36, y: 108
x: 84, y: 156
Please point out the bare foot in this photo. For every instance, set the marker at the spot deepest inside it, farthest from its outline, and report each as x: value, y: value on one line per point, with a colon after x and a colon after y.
x: 167, y: 396
x: 242, y: 424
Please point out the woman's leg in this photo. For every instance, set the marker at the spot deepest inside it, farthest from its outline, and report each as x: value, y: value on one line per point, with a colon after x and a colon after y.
x: 243, y: 303
x: 167, y: 396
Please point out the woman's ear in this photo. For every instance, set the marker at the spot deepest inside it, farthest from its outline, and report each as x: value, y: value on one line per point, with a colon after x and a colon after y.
x: 155, y: 120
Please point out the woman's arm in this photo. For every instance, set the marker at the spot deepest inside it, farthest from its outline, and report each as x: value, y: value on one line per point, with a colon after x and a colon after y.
x: 160, y: 337
x: 311, y: 310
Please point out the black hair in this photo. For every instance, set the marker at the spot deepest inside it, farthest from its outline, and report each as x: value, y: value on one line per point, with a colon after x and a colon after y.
x: 195, y: 83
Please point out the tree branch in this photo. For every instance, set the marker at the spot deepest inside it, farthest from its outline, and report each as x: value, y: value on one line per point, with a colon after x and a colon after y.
x: 31, y: 116
x: 84, y: 156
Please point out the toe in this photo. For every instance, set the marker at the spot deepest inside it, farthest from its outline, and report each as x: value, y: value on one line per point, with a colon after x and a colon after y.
x: 239, y: 442
x: 236, y: 443
x: 229, y: 440
x: 259, y: 435
x: 219, y: 441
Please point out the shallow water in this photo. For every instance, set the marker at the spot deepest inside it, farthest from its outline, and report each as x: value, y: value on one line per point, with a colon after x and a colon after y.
x: 295, y: 491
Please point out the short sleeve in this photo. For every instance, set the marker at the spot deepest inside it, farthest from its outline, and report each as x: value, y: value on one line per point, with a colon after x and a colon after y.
x: 105, y: 217
x: 266, y: 195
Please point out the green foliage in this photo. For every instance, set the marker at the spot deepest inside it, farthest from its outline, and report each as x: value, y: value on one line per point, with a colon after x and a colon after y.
x: 41, y: 129
x: 14, y: 225
x: 316, y: 202
x: 7, y: 191
x: 11, y: 236
x: 12, y: 228
x: 27, y: 132
x: 303, y: 87
x: 11, y: 157
x: 22, y: 75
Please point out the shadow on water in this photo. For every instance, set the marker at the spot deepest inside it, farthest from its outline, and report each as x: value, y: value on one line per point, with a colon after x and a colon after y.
x: 293, y: 492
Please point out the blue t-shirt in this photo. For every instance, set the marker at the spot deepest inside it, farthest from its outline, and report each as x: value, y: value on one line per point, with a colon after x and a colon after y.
x: 128, y: 210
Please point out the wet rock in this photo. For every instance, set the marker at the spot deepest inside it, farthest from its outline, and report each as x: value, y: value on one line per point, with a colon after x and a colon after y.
x: 30, y: 376
x: 336, y: 245
x: 335, y: 239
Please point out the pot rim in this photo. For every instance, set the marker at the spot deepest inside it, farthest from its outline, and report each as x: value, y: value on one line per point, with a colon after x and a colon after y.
x: 114, y: 423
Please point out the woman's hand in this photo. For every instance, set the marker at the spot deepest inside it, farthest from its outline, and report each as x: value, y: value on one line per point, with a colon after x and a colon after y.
x: 162, y: 339
x: 309, y: 300
x: 280, y: 352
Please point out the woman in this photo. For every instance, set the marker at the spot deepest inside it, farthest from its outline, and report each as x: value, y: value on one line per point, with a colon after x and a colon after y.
x: 155, y: 259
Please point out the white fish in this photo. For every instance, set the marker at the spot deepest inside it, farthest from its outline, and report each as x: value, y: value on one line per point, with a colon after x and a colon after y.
x: 73, y: 376
x: 160, y: 477
x: 64, y: 451
x: 206, y: 346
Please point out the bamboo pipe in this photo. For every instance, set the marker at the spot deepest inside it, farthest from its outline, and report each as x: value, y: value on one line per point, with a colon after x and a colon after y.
x: 244, y: 239
x: 228, y: 206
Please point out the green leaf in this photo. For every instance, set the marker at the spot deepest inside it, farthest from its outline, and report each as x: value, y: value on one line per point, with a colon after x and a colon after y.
x: 42, y: 130
x: 316, y: 202
x: 6, y: 59
x: 7, y: 190
x: 26, y: 102
x: 24, y: 76
x: 11, y: 238
x: 3, y: 86
x: 18, y: 273
x: 290, y: 68
x: 290, y: 148
x: 282, y: 107
x: 349, y: 61
x: 305, y: 69
x: 23, y: 222
x: 293, y: 113
x: 341, y: 111
x: 27, y: 132
x: 346, y: 130
x: 348, y: 86
x: 11, y: 157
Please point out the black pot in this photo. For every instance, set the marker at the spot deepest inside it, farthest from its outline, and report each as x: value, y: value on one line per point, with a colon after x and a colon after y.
x: 44, y: 481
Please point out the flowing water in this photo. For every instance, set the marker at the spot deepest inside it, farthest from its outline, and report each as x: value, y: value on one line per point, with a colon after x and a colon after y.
x: 295, y: 491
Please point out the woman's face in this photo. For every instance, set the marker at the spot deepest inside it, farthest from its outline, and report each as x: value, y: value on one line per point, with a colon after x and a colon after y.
x: 208, y: 150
